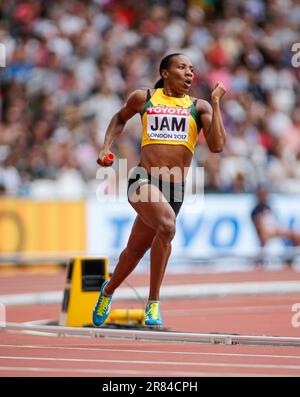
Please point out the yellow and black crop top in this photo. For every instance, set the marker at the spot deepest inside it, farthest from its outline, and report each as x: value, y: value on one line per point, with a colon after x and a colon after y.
x: 170, y: 120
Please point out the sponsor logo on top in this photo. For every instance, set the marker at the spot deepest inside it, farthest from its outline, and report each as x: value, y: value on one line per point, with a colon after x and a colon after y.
x: 168, y: 110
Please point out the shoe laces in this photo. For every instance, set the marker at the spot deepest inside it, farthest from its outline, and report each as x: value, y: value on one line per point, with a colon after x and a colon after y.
x: 154, y: 310
x: 103, y: 305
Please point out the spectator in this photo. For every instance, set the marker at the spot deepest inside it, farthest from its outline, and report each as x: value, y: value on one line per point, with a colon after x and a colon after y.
x: 266, y: 223
x: 71, y: 64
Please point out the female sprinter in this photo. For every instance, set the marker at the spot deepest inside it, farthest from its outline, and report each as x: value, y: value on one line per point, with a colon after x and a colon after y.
x: 171, y: 122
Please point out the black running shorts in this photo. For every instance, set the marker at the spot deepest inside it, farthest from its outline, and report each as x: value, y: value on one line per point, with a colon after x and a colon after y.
x: 172, y: 191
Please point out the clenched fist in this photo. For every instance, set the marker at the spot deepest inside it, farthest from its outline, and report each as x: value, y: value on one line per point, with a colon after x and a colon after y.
x: 218, y: 91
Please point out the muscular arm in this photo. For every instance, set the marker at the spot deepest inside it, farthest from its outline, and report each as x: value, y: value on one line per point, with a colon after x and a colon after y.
x: 134, y: 104
x: 212, y: 122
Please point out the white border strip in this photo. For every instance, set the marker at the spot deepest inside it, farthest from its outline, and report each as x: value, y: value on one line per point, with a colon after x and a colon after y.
x: 227, y: 339
x: 188, y: 291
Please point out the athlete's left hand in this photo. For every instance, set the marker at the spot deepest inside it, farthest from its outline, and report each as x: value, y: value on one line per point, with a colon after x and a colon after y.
x: 218, y: 91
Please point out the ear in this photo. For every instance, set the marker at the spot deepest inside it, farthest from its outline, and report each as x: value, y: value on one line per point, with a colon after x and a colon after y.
x: 164, y: 74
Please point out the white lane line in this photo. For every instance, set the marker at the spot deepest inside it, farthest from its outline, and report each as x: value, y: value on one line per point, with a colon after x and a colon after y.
x: 164, y: 352
x: 97, y: 371
x: 133, y: 372
x: 142, y: 362
x: 185, y: 291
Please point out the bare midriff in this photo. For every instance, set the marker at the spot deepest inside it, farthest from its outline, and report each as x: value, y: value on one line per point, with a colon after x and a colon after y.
x: 166, y: 162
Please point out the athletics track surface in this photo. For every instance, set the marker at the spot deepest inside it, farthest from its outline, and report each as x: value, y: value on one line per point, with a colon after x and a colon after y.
x: 270, y: 314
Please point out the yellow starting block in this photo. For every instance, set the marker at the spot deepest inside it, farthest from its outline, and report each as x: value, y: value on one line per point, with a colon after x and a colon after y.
x: 85, y: 277
x: 127, y: 316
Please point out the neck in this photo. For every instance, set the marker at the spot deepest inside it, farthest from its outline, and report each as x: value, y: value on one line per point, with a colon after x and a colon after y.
x: 169, y: 92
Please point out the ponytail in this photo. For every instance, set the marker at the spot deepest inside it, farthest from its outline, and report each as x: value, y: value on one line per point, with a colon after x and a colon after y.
x: 159, y: 83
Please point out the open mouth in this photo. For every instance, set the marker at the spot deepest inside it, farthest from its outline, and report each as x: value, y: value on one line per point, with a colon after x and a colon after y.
x: 188, y: 83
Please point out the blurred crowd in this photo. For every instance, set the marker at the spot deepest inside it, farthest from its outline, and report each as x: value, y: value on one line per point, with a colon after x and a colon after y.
x: 70, y: 64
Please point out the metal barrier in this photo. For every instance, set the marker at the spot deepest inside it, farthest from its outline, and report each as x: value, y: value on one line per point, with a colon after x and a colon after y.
x: 145, y: 335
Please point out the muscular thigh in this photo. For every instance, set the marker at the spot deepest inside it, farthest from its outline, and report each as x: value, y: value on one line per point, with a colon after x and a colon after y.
x: 151, y: 206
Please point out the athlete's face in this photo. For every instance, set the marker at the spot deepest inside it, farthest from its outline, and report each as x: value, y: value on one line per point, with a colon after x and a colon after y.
x: 180, y: 74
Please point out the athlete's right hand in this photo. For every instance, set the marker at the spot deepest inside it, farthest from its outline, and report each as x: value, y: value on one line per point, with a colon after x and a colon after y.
x: 105, y: 158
